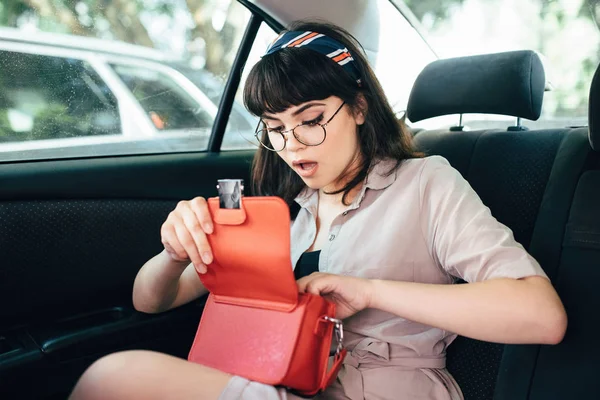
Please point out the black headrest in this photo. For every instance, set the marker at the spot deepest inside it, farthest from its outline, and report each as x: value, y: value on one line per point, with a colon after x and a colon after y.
x: 510, y: 83
x: 594, y: 112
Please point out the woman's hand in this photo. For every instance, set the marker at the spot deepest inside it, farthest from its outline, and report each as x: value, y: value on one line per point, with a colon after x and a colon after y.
x: 167, y: 280
x: 349, y: 294
x: 184, y: 232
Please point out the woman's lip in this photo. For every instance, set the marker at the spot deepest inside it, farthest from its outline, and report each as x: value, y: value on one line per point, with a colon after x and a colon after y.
x: 306, y: 173
x: 298, y: 162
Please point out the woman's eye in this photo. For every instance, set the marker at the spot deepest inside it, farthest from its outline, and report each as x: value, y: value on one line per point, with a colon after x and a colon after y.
x: 313, y: 122
x: 277, y: 129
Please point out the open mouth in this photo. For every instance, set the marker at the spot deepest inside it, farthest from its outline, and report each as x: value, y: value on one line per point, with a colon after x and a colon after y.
x: 307, y: 166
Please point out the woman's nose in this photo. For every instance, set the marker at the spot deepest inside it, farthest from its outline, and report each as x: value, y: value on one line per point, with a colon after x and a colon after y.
x: 293, y: 144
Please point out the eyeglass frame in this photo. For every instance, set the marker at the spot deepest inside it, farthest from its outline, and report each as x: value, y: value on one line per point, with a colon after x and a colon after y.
x: 285, y: 138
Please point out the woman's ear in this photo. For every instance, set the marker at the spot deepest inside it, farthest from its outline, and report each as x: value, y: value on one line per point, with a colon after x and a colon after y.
x: 360, y: 110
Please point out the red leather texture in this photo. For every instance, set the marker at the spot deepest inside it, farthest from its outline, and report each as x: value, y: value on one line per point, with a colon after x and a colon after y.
x: 252, y: 263
x: 255, y: 323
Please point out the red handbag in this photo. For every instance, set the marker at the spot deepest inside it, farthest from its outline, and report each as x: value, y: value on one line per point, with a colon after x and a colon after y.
x: 255, y: 323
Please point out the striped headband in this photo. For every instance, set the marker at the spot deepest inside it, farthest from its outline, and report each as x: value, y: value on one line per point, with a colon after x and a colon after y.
x: 321, y: 44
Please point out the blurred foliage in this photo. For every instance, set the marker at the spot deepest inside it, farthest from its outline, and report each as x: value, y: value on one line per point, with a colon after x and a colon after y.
x: 123, y: 20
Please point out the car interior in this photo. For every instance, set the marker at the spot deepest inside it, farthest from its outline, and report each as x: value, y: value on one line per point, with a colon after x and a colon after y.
x: 75, y: 231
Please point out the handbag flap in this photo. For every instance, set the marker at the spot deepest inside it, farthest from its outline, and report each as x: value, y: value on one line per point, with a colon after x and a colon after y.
x: 251, y: 249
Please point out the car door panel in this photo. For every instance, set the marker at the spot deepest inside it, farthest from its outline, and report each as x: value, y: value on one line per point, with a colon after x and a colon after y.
x: 73, y: 235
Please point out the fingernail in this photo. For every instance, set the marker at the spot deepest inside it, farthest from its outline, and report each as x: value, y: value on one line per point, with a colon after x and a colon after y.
x: 207, y: 257
x: 201, y: 268
x: 209, y: 228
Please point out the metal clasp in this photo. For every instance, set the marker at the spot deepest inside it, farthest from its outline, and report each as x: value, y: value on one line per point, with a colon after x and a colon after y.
x: 338, y: 327
x: 230, y: 193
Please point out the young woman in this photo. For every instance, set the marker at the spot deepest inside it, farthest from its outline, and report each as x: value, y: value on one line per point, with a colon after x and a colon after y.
x: 387, y: 230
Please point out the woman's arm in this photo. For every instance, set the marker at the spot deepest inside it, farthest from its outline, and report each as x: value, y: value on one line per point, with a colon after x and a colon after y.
x: 501, y: 310
x: 168, y: 279
x: 164, y: 283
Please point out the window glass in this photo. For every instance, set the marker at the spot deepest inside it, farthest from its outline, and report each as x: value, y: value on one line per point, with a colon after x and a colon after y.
x: 81, y: 78
x: 167, y: 104
x: 398, y: 61
x: 44, y: 97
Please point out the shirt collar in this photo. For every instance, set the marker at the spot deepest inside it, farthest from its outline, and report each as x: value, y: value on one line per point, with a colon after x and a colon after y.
x: 378, y: 178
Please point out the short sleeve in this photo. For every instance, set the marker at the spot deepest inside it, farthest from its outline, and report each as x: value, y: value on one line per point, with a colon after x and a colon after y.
x: 462, y: 235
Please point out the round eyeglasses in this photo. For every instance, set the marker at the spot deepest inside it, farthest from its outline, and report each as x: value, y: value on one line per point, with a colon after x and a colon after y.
x: 308, y: 133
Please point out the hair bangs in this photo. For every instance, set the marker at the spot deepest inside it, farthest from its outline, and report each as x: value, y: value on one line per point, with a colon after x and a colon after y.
x: 291, y: 77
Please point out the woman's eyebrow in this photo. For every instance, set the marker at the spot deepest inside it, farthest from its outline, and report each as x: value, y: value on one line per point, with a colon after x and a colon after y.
x: 306, y: 107
x: 297, y: 112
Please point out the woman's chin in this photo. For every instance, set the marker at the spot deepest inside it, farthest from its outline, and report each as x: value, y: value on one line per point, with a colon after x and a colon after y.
x: 315, y: 182
x: 312, y: 184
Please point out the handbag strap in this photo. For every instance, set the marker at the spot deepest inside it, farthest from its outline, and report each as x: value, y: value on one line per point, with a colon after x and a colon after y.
x: 340, y: 354
x: 330, y: 373
x: 329, y: 376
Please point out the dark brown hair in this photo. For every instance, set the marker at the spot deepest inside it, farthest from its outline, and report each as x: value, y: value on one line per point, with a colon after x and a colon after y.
x: 293, y: 76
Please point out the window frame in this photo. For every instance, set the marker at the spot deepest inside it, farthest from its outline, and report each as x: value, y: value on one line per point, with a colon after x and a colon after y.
x: 233, y: 82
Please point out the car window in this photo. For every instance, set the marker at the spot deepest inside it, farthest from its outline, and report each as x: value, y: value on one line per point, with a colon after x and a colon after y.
x: 401, y: 55
x: 168, y: 105
x: 564, y: 32
x: 43, y: 97
x: 240, y: 127
x: 81, y: 80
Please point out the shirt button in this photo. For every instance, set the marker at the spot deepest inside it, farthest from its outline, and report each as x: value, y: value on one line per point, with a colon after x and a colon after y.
x: 331, y: 237
x: 345, y: 213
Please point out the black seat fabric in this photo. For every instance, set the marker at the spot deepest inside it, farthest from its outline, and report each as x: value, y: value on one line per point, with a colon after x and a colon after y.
x: 456, y: 147
x: 568, y: 370
x: 509, y: 171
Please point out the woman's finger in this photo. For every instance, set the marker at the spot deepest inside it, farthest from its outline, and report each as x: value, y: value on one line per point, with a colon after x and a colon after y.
x: 187, y: 242
x: 303, y: 282
x: 319, y: 284
x: 202, y: 247
x: 200, y: 207
x: 171, y: 243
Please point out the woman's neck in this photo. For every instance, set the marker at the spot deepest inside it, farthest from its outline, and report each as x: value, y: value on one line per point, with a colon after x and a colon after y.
x: 326, y: 197
x: 325, y: 193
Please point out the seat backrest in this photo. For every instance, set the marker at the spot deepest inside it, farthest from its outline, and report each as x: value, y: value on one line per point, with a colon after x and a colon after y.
x: 568, y: 370
x: 509, y: 170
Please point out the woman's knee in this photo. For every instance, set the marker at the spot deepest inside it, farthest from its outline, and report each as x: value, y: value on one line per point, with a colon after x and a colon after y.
x: 110, y: 376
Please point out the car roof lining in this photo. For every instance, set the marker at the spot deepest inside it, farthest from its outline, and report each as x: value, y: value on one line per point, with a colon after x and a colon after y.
x: 360, y: 17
